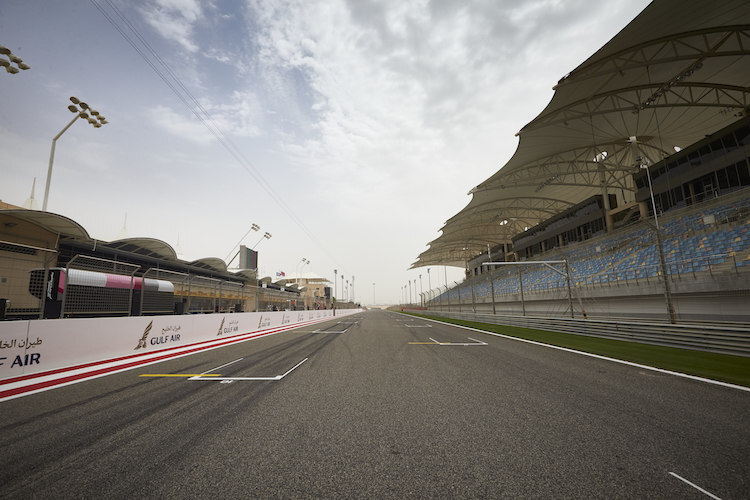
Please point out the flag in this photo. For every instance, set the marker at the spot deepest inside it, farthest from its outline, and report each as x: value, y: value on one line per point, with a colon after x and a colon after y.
x: 280, y: 274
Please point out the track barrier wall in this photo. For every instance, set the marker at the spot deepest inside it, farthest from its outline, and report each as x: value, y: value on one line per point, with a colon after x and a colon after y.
x: 43, y: 350
x: 722, y: 339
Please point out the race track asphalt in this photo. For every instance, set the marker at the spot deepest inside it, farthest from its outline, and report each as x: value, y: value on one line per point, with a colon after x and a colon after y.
x: 379, y: 405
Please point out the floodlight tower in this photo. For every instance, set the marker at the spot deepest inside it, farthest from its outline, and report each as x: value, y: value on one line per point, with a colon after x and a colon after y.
x: 296, y: 268
x: 82, y: 113
x: 266, y: 236
x: 253, y: 227
x: 6, y: 63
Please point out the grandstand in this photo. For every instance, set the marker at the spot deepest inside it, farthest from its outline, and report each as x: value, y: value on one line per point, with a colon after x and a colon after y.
x: 707, y: 251
x: 636, y: 175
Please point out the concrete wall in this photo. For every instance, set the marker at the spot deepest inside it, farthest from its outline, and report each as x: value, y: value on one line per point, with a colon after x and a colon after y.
x: 39, y: 347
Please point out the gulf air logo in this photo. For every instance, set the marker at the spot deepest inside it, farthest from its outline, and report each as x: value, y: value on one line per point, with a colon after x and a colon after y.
x: 142, y: 342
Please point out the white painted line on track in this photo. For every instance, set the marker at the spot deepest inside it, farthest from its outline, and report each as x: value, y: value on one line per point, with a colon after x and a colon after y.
x: 293, y: 368
x: 598, y: 356
x: 222, y: 366
x: 418, y: 326
x: 476, y: 342
x: 26, y: 385
x: 227, y: 380
x: 435, y: 342
x: 695, y: 486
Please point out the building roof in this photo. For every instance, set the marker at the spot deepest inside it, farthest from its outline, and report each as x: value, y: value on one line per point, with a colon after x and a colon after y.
x: 678, y: 71
x: 211, y: 263
x: 250, y: 274
x: 145, y: 246
x: 54, y: 223
x: 310, y: 277
x: 152, y: 250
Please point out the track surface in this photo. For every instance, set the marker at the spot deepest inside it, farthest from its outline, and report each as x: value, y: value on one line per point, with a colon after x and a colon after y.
x: 382, y: 406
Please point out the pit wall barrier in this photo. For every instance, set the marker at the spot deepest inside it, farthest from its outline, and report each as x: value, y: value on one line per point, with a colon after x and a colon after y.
x: 39, y: 351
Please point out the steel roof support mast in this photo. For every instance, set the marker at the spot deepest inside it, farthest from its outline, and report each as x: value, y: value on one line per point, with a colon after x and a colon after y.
x: 660, y: 246
x: 492, y: 280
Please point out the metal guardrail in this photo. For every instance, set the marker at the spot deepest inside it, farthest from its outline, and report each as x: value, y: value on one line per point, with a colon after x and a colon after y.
x: 723, y: 339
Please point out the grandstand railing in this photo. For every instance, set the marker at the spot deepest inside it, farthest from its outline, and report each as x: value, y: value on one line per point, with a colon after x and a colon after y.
x: 718, y: 264
x: 710, y: 265
x: 621, y: 267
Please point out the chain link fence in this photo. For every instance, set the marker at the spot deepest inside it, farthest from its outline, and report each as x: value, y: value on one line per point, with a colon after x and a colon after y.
x: 33, y: 286
x: 21, y: 292
x: 93, y: 286
x: 162, y: 292
x: 207, y: 295
x: 276, y: 300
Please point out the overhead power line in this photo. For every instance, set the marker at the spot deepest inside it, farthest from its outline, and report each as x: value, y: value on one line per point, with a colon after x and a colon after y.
x: 165, y: 73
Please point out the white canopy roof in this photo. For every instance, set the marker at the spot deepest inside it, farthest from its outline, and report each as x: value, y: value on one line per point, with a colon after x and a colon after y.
x: 679, y: 71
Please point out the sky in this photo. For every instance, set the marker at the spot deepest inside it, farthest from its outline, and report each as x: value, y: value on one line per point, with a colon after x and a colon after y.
x: 348, y: 130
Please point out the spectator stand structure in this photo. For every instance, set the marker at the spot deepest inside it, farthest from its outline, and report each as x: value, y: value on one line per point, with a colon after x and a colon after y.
x: 668, y: 93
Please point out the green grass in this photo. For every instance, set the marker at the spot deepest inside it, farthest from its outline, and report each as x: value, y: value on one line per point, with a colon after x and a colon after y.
x: 723, y: 367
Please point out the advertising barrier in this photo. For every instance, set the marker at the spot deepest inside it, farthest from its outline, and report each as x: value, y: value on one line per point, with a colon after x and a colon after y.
x: 37, y: 354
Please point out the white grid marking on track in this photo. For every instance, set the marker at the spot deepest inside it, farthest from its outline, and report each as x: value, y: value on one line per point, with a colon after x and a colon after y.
x: 232, y: 379
x: 695, y: 486
x: 598, y: 356
x: 475, y: 342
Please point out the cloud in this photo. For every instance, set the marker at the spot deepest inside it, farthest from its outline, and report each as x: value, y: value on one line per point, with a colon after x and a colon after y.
x: 395, y: 109
x: 218, y: 55
x: 242, y: 116
x: 174, y: 20
x: 187, y: 127
x: 392, y: 89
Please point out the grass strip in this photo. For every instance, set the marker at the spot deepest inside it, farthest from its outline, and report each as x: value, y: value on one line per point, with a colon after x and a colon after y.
x: 723, y: 367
